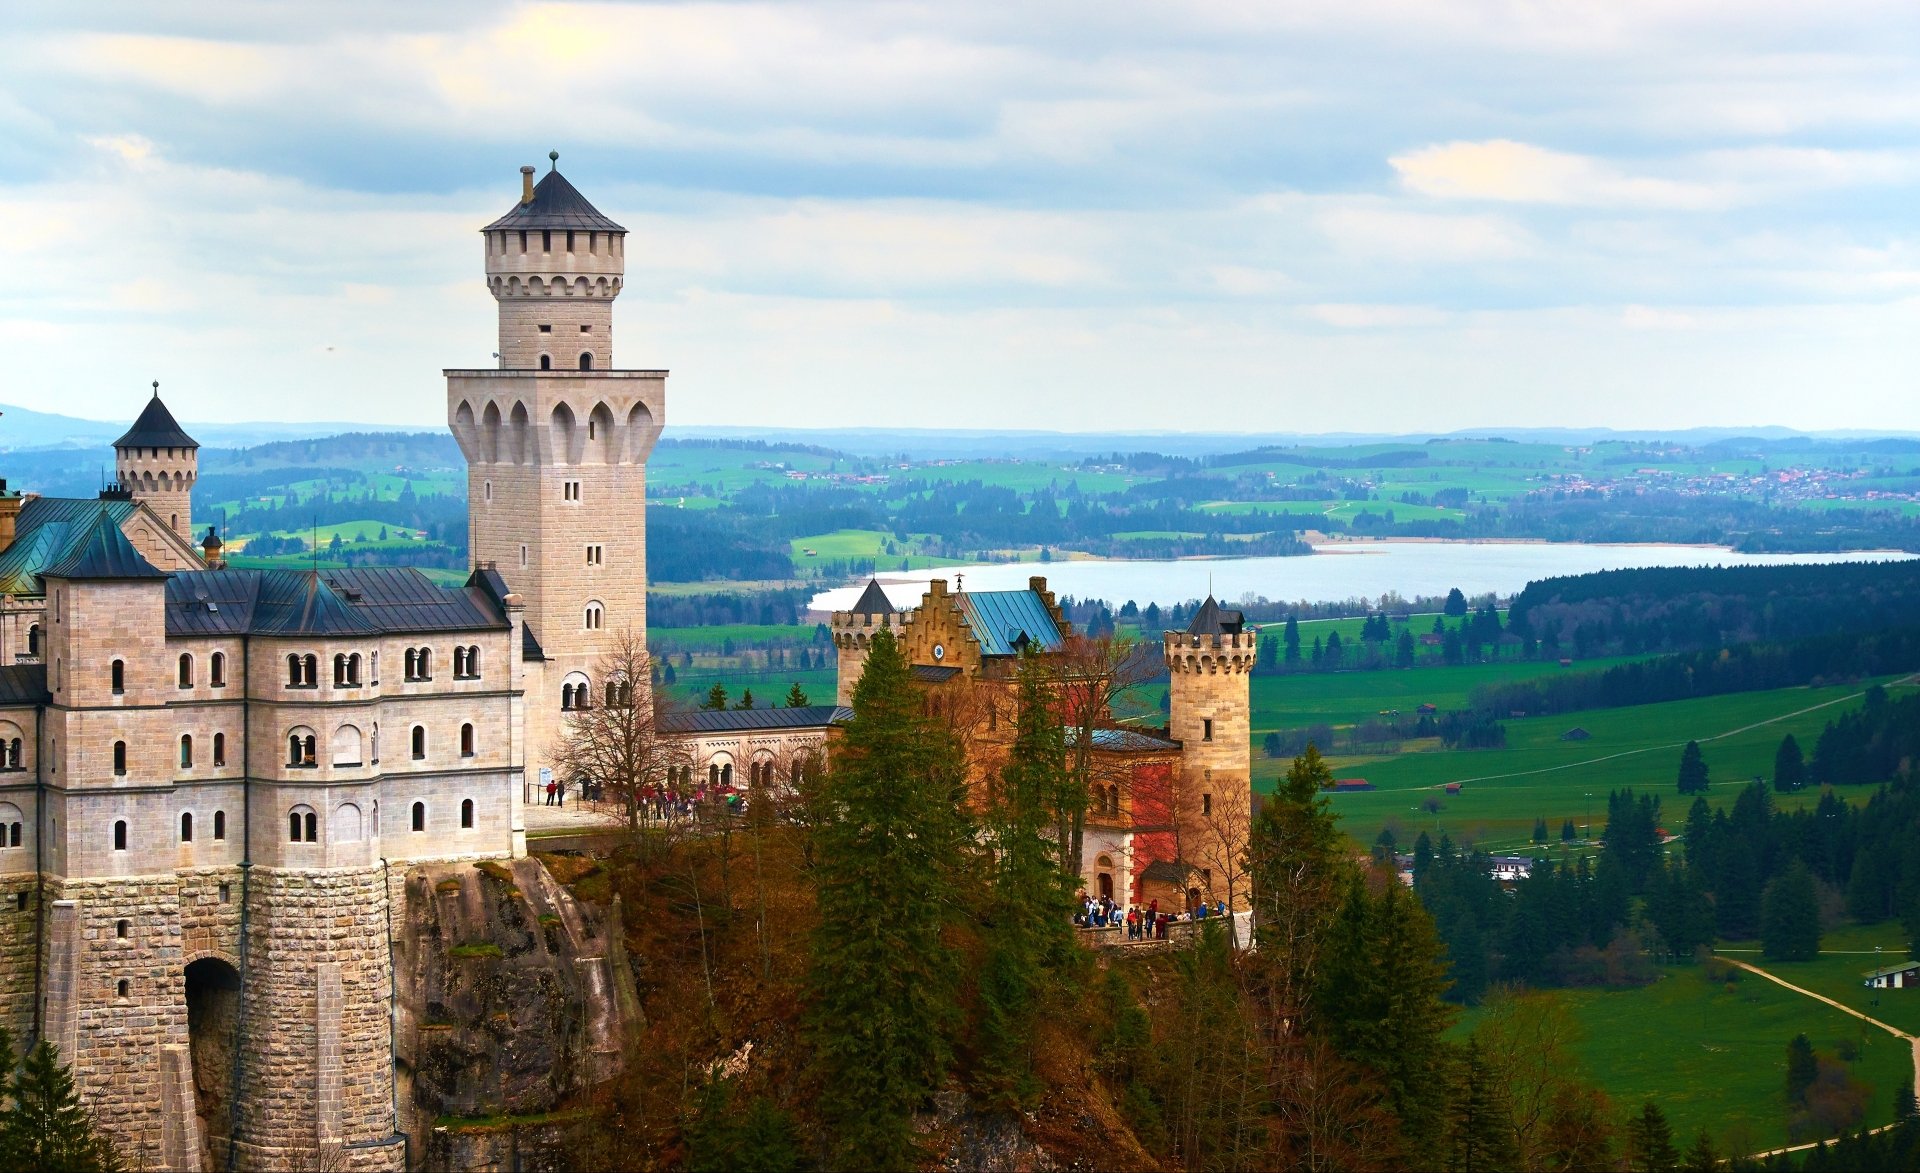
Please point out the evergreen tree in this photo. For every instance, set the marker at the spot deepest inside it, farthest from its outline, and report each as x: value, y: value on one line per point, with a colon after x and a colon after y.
x: 1904, y: 1106
x: 1567, y: 833
x: 46, y: 1128
x: 1379, y: 1004
x: 1479, y: 1123
x: 1693, y: 770
x: 1403, y: 650
x: 1297, y: 867
x: 1290, y: 643
x: 746, y: 699
x: 1456, y: 604
x: 721, y: 1139
x: 1650, y: 1142
x: 716, y: 699
x: 887, y: 835
x: 1539, y: 830
x: 1736, y: 904
x: 1317, y: 654
x: 1334, y: 650
x: 1790, y: 916
x: 1030, y: 912
x: 1701, y: 1158
x: 1789, y: 766
x: 1802, y: 1069
x: 797, y: 697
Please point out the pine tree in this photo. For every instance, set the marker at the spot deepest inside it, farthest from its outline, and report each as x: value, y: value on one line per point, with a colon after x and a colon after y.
x: 1802, y: 1069
x: 1456, y: 604
x: 797, y: 697
x: 1567, y: 833
x: 716, y: 698
x: 1904, y: 1105
x: 1030, y: 914
x: 1693, y: 770
x: 1701, y: 1158
x: 1790, y: 916
x: 721, y: 1138
x: 1650, y: 1142
x: 746, y: 699
x: 887, y: 835
x: 1479, y: 1123
x: 46, y: 1127
x: 1789, y: 766
x: 1403, y: 650
x: 1539, y: 830
x: 1290, y: 643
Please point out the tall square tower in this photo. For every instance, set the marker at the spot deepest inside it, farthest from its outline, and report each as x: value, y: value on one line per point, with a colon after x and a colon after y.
x: 556, y: 443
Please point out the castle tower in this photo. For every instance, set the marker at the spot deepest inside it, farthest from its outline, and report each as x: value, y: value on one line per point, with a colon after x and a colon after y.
x: 158, y: 462
x: 1211, y: 669
x: 852, y: 635
x: 556, y: 443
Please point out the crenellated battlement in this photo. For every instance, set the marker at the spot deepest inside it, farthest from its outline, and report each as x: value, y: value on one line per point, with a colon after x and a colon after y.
x: 1229, y: 653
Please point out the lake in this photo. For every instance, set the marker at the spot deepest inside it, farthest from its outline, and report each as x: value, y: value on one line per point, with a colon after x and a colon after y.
x: 1333, y: 572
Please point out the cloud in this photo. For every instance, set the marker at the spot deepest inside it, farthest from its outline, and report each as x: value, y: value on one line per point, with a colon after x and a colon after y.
x: 1424, y: 237
x: 1514, y: 172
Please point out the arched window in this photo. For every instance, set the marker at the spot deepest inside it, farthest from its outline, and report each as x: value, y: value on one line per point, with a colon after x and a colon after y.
x: 613, y: 693
x: 586, y: 360
x: 713, y: 773
x: 186, y: 670
x: 186, y: 827
x: 546, y: 362
x: 419, y: 743
x: 466, y: 814
x: 120, y: 838
x: 219, y: 749
x: 473, y: 661
x: 466, y: 741
x: 595, y: 617
x: 217, y: 670
x: 459, y: 662
x: 119, y: 674
x: 219, y: 824
x: 339, y: 670
x: 120, y: 758
x: 293, y: 671
x: 303, y: 825
x: 426, y: 663
x: 10, y: 754
x: 301, y: 744
x: 419, y: 816
x: 726, y: 774
x: 33, y: 640
x: 186, y: 751
x: 373, y: 666
x: 413, y: 664
x: 566, y: 696
x: 311, y: 667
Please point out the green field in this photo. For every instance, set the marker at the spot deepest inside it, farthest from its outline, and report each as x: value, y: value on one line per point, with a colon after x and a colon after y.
x: 1340, y: 698
x: 1539, y: 775
x: 1847, y: 952
x: 1712, y: 1054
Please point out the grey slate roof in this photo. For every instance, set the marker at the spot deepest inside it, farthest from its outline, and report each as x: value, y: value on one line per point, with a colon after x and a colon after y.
x: 361, y: 601
x: 1213, y: 619
x: 999, y: 619
x: 1130, y: 741
x: 873, y: 600
x: 24, y: 684
x: 103, y: 552
x: 156, y: 428
x: 747, y: 720
x: 555, y: 204
x: 934, y: 673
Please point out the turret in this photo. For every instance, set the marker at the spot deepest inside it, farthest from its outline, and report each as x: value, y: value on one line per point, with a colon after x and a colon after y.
x: 156, y: 463
x: 1210, y: 666
x: 853, y: 632
x: 554, y: 265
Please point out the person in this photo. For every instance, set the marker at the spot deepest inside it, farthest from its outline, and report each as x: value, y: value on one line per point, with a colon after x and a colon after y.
x: 550, y: 787
x: 1219, y: 908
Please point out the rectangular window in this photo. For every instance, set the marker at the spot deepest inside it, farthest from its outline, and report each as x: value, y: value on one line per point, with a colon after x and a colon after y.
x: 595, y: 556
x: 586, y: 329
x: 570, y: 490
x: 1206, y: 729
x: 523, y: 556
x: 1206, y: 804
x: 547, y: 329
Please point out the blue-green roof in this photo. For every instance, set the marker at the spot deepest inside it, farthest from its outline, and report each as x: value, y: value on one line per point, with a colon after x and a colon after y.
x: 102, y: 552
x: 48, y: 530
x: 999, y: 619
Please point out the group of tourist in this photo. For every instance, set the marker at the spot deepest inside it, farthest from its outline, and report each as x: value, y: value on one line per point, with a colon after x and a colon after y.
x: 1141, y: 924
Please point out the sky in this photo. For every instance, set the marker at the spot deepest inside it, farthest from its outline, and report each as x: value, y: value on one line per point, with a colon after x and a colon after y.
x: 1296, y: 215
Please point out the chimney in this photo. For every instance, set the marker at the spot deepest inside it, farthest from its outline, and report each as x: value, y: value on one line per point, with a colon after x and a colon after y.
x: 526, y: 185
x: 10, y: 503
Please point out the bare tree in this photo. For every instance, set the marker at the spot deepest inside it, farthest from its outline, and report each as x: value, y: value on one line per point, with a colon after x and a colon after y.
x: 619, y: 743
x: 1090, y: 673
x: 1219, y: 846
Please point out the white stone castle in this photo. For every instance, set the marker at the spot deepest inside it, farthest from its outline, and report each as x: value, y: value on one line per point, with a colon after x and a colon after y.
x: 213, y: 780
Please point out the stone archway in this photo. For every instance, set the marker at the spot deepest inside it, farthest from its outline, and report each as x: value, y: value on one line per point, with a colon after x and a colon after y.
x: 213, y: 1018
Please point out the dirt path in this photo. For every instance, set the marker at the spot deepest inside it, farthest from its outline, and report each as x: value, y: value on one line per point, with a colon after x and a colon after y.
x: 1627, y: 753
x: 1894, y: 1031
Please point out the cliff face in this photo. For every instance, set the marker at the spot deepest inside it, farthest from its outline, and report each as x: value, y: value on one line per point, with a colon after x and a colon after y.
x: 514, y: 1001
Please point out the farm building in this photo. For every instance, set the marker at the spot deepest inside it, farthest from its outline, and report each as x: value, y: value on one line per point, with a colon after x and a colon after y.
x: 1893, y: 977
x: 1352, y: 784
x: 1453, y: 788
x: 1510, y: 868
x: 1575, y: 734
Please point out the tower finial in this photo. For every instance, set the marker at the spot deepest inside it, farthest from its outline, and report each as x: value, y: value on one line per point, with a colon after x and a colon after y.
x: 156, y: 388
x: 553, y: 160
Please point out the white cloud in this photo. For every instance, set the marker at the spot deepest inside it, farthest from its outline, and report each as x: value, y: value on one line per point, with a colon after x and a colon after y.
x: 1380, y: 233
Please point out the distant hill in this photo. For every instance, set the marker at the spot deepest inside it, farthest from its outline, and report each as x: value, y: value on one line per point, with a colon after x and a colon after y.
x: 24, y: 429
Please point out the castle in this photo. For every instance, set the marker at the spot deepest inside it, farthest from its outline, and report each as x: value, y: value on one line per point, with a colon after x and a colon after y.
x: 213, y: 781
